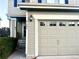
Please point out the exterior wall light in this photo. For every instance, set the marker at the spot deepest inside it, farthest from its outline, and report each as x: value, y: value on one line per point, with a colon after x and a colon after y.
x: 31, y: 18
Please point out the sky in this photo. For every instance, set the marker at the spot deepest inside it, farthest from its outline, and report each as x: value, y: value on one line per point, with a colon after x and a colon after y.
x: 3, y: 12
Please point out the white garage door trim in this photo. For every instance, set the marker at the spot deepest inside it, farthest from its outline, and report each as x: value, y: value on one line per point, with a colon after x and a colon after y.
x: 36, y: 37
x: 67, y: 25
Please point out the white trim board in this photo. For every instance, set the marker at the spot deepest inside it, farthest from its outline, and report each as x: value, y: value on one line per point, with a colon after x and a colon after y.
x: 36, y: 37
x: 26, y: 49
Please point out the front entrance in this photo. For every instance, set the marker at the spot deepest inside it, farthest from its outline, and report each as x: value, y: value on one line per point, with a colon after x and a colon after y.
x: 21, y: 32
x: 58, y: 38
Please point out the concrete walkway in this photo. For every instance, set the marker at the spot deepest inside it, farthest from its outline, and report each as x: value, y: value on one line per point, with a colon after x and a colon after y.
x: 18, y: 54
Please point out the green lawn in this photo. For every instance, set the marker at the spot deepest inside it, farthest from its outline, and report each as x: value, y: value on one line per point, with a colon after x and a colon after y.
x: 7, y: 46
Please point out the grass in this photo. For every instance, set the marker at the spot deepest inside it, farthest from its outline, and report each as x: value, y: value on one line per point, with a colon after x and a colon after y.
x: 7, y: 46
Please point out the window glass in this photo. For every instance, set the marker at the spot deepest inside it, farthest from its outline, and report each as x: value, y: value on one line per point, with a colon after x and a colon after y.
x: 54, y: 1
x: 62, y: 1
x: 44, y: 1
x: 71, y: 24
x: 15, y: 3
x: 23, y: 0
x: 39, y: 1
x: 19, y: 1
x: 62, y: 24
x: 66, y: 2
x: 52, y: 24
x: 42, y: 24
x: 78, y: 24
x: 50, y: 1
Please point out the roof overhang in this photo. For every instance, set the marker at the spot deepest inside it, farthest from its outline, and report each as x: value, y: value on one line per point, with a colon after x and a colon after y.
x: 40, y: 6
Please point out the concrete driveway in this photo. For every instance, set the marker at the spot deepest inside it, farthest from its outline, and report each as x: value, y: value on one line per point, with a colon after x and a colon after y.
x: 58, y: 57
x: 19, y: 54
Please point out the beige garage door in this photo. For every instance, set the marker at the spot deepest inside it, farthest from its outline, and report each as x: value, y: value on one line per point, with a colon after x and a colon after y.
x: 58, y: 38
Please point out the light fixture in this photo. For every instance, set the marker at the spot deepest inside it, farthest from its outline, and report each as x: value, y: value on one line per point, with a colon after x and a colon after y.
x: 31, y: 18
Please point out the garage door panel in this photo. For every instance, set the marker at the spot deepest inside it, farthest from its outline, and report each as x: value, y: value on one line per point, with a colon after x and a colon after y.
x: 68, y: 51
x: 52, y: 51
x: 69, y: 42
x: 48, y: 52
x: 58, y: 40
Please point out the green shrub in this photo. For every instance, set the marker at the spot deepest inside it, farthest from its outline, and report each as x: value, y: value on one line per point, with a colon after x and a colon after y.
x: 7, y: 46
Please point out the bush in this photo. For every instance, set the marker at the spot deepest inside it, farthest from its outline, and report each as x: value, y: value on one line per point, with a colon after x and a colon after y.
x: 7, y: 46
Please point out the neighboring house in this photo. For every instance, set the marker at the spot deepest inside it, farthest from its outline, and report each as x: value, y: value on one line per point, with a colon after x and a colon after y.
x: 4, y: 32
x: 49, y: 27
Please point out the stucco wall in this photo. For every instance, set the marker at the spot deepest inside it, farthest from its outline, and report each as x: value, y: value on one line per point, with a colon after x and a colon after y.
x: 14, y: 11
x: 31, y: 38
x: 74, y: 2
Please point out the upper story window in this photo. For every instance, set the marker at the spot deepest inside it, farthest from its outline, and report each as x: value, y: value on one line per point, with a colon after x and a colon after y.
x: 18, y: 1
x: 54, y: 1
x: 23, y: 0
x: 66, y: 2
x: 15, y: 3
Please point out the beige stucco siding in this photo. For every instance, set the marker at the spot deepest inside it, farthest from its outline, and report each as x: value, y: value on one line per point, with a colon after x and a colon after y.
x: 55, y: 15
x: 31, y: 38
x: 74, y: 2
x: 14, y: 11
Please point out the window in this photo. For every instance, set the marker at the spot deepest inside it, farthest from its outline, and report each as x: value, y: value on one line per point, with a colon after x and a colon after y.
x: 54, y: 1
x: 63, y: 1
x: 66, y: 2
x: 62, y: 24
x: 39, y: 1
x: 52, y: 24
x: 48, y: 1
x: 23, y: 0
x: 44, y: 1
x: 18, y: 1
x: 71, y: 24
x: 15, y: 3
x: 78, y: 24
x: 42, y: 24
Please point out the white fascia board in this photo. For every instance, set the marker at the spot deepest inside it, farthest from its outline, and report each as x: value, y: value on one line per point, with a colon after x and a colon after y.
x: 47, y: 6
